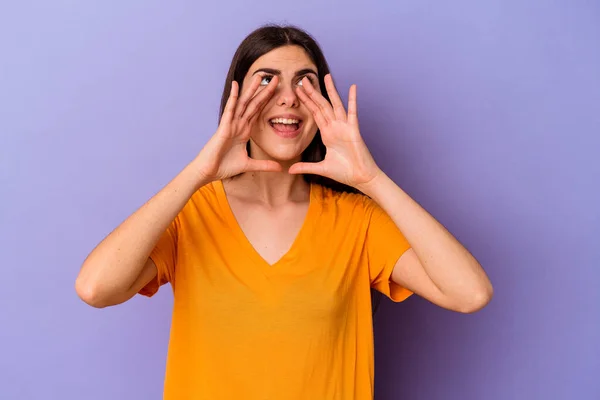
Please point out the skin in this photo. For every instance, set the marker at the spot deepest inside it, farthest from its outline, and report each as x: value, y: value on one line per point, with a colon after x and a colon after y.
x: 268, y: 188
x: 270, y: 207
x: 437, y: 267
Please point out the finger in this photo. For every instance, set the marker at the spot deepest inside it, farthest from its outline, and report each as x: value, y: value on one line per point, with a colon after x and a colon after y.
x: 307, y: 168
x: 312, y: 107
x: 231, y: 102
x: 247, y: 96
x: 262, y: 166
x: 254, y: 110
x: 338, y: 106
x: 352, y: 113
x: 318, y: 98
x: 256, y: 105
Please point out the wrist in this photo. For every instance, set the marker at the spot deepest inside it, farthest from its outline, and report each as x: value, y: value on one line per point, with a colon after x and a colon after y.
x: 370, y: 187
x: 196, y: 170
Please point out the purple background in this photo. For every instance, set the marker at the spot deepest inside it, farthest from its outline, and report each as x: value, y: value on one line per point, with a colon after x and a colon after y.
x: 486, y: 112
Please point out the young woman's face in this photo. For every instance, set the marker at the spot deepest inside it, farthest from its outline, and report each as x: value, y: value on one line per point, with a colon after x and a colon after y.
x: 285, y: 127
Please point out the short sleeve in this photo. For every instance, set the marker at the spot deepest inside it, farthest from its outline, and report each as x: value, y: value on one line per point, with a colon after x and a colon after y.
x: 384, y: 244
x: 164, y: 255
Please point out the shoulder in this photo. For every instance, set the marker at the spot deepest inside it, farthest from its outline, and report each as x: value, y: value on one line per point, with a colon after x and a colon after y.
x: 345, y: 202
x: 205, y: 200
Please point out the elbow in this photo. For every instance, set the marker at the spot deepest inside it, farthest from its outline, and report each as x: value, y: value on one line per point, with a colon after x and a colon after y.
x: 90, y: 293
x: 478, y: 300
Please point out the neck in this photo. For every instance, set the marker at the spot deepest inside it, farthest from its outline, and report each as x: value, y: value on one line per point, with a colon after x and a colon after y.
x: 274, y: 188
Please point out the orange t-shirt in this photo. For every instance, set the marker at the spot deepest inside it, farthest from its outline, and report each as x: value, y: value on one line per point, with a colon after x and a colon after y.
x: 299, y: 329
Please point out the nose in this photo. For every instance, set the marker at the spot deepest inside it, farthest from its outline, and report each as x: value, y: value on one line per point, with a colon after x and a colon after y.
x: 286, y: 96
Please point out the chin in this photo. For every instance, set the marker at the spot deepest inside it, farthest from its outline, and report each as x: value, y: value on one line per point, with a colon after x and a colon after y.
x: 280, y: 152
x: 272, y: 146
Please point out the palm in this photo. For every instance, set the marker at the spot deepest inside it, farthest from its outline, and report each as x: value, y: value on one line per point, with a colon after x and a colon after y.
x: 226, y: 156
x: 225, y: 153
x: 347, y: 159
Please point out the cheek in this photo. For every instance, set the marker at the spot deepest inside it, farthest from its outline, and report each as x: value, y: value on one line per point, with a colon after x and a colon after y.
x: 259, y: 129
x: 310, y: 126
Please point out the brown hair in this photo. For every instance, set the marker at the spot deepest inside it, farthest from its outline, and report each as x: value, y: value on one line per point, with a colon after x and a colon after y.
x: 260, y: 42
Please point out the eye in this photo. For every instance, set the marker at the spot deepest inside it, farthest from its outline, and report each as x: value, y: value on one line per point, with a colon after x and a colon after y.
x: 310, y: 79
x: 265, y: 80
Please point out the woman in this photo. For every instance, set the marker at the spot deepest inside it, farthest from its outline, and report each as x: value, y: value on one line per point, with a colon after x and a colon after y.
x: 272, y: 257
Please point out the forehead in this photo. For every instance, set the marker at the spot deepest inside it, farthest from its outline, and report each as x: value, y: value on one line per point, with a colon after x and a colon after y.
x: 286, y: 59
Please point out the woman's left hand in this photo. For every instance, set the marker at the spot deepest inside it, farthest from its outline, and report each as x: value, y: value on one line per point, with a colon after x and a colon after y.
x: 348, y: 159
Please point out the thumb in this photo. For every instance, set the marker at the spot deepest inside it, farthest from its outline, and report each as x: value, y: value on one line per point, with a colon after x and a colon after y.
x: 307, y: 168
x: 262, y: 165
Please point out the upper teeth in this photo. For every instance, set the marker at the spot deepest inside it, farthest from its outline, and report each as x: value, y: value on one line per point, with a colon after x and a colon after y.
x: 284, y: 121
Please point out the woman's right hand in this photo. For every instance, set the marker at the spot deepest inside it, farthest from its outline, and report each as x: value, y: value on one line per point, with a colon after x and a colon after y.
x: 225, y: 154
x: 119, y: 266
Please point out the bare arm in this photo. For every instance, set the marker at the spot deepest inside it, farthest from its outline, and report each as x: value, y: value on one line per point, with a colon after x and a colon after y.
x: 437, y: 267
x: 119, y: 266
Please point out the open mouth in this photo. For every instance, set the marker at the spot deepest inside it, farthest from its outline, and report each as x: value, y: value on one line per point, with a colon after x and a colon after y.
x: 286, y: 127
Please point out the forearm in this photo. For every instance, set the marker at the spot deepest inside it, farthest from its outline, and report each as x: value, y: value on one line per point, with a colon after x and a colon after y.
x: 116, y: 262
x: 450, y: 266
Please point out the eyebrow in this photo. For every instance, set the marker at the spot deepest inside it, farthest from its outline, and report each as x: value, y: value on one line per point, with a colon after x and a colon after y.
x: 272, y: 71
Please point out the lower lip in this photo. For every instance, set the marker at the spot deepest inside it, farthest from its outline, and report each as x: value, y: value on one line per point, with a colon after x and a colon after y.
x: 287, y: 134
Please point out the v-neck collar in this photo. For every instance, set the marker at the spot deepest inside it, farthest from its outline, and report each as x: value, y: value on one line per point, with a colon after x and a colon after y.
x: 295, y: 249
